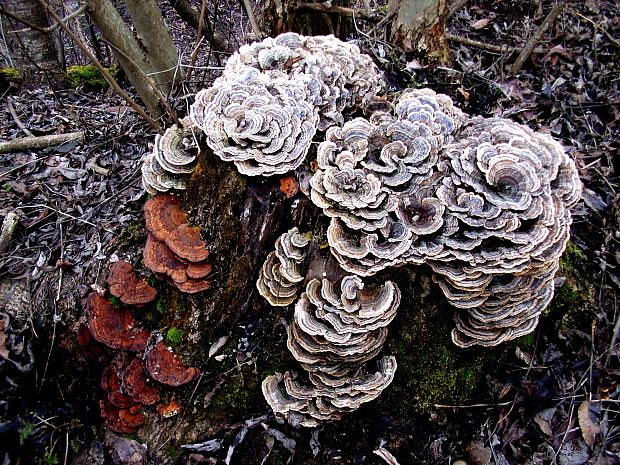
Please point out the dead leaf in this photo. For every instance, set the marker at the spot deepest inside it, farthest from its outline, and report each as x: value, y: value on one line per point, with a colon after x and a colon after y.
x: 481, y: 23
x: 543, y: 420
x: 477, y: 453
x: 588, y: 422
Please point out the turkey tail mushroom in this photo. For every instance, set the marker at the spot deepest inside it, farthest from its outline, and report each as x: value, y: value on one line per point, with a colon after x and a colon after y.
x: 336, y: 331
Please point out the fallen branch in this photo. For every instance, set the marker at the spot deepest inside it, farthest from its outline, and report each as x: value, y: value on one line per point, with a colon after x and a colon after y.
x: 38, y: 142
x: 489, y: 47
x: 529, y: 47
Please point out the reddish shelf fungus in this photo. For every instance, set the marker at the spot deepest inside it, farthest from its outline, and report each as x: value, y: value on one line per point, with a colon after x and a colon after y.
x: 173, y: 247
x: 168, y: 368
x: 136, y: 383
x: 125, y: 285
x: 114, y: 326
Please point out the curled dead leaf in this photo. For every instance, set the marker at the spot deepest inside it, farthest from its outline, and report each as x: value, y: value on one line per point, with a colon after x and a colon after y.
x: 588, y: 422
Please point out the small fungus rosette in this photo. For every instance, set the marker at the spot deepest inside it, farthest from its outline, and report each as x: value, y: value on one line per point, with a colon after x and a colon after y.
x: 261, y: 122
x: 337, y: 76
x: 280, y: 277
x: 172, y: 160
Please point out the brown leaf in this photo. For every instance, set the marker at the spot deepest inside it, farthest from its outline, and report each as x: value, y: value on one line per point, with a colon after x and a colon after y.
x: 481, y: 23
x: 588, y: 423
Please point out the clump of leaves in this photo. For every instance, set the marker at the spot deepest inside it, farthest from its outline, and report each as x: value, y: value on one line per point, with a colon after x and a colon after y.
x: 25, y: 431
x: 174, y: 336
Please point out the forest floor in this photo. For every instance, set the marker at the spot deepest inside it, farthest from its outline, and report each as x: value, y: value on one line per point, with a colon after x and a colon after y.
x: 551, y: 397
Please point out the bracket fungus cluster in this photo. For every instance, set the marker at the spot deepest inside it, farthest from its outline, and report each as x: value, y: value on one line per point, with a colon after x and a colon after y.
x: 173, y: 247
x: 336, y: 331
x: 273, y: 96
x: 172, y: 160
x: 127, y: 380
x: 281, y: 277
x: 126, y: 386
x: 485, y: 202
x: 114, y: 326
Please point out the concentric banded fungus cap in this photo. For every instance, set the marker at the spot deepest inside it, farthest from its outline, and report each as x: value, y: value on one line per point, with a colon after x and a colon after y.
x: 262, y: 123
x: 280, y: 277
x: 167, y: 368
x: 125, y: 285
x: 310, y: 404
x: 135, y: 383
x: 335, y: 74
x: 163, y: 215
x: 114, y: 327
x: 335, y: 326
x: 185, y: 242
x: 171, y: 161
x: 186, y: 276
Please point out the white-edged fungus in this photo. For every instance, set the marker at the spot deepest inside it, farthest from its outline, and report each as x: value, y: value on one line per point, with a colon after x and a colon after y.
x: 336, y: 331
x: 172, y: 160
x: 281, y: 277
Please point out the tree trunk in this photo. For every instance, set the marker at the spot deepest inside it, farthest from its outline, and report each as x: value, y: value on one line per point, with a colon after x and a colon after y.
x: 127, y: 52
x: 32, y: 51
x: 155, y: 36
x: 419, y: 26
x: 241, y: 217
x: 291, y: 16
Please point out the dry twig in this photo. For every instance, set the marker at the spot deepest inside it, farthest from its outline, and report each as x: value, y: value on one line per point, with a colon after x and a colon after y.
x: 531, y: 44
x: 38, y: 142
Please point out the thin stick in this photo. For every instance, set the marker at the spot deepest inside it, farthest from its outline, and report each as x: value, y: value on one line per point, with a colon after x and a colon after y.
x: 384, y: 21
x: 51, y: 28
x: 18, y: 121
x: 455, y: 7
x: 37, y: 142
x: 531, y: 44
x: 341, y: 10
x: 104, y: 72
x: 488, y: 47
x: 201, y: 23
x: 611, y: 38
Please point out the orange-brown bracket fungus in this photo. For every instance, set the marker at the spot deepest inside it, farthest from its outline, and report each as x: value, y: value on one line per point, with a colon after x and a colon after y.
x: 173, y: 247
x: 120, y: 420
x: 125, y: 285
x: 168, y: 368
x: 114, y: 326
x: 135, y: 383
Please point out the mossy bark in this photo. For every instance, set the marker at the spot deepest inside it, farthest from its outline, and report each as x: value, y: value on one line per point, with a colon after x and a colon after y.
x: 241, y: 218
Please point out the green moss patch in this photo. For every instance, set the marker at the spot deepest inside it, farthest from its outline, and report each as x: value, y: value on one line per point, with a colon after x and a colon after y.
x: 9, y: 79
x: 90, y: 77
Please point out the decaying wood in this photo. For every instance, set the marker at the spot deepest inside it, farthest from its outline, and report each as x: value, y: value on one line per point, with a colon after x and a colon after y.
x: 241, y: 218
x: 529, y: 47
x: 39, y: 142
x: 419, y: 26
